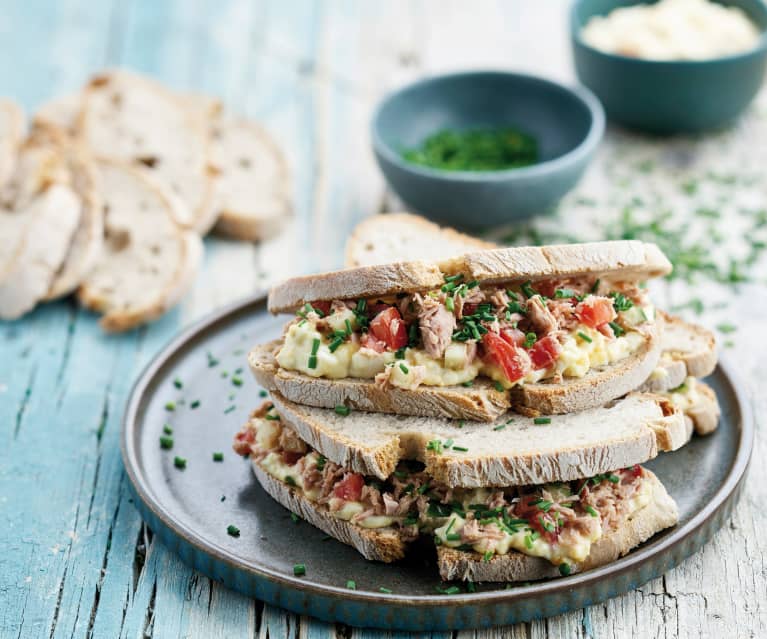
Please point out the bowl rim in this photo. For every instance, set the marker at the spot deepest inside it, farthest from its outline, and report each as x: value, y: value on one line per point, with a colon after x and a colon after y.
x: 576, y: 26
x: 587, y: 144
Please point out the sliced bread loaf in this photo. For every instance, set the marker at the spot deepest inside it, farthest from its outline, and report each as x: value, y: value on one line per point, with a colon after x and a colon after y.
x: 513, y: 450
x: 12, y: 125
x: 147, y: 258
x: 134, y: 119
x: 252, y: 186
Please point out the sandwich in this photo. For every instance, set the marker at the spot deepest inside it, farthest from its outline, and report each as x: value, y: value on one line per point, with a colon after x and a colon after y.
x: 491, y: 532
x: 550, y: 330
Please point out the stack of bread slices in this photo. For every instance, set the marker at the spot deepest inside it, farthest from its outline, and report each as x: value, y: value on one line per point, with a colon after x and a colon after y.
x: 107, y: 193
x: 498, y: 401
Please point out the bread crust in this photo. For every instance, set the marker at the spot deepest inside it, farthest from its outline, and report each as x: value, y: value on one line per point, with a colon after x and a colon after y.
x: 374, y: 544
x: 518, y: 453
x: 620, y: 259
x: 659, y: 514
x: 706, y: 413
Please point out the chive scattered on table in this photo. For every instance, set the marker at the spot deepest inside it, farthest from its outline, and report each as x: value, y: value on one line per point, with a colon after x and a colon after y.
x: 218, y: 457
x: 232, y: 530
x: 166, y: 443
x: 542, y: 420
x: 179, y: 462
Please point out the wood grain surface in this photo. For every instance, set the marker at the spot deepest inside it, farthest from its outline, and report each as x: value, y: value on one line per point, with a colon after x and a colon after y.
x: 75, y: 559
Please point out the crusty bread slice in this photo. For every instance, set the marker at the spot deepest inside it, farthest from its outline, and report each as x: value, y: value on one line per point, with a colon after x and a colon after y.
x: 59, y: 113
x: 134, y: 119
x: 375, y: 544
x: 598, y: 386
x: 621, y: 259
x: 705, y: 412
x: 512, y: 451
x: 479, y: 402
x: 36, y: 237
x: 689, y: 350
x: 659, y: 514
x: 394, y: 237
x: 12, y: 126
x: 147, y: 258
x: 252, y: 186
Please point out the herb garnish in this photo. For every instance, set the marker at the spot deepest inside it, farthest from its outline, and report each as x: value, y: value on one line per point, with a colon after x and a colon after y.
x: 542, y: 420
x: 342, y: 410
x: 218, y: 457
x: 299, y: 570
x: 179, y: 462
x: 166, y: 443
x: 232, y: 531
x: 584, y: 337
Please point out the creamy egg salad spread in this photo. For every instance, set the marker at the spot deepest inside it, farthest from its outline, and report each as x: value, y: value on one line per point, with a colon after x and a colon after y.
x: 515, y: 335
x: 673, y: 30
x: 558, y: 522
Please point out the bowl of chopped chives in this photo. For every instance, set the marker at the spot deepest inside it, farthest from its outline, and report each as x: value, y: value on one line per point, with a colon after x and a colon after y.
x: 485, y: 148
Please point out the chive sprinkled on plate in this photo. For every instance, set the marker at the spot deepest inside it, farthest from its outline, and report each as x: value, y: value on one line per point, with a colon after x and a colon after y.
x: 299, y: 570
x: 262, y: 393
x: 218, y: 457
x: 542, y: 420
x: 460, y: 449
x: 212, y: 361
x: 166, y: 443
x: 451, y: 590
x: 170, y: 406
x: 179, y: 462
x: 232, y: 530
x: 167, y: 429
x: 342, y: 410
x: 487, y: 556
x: 229, y: 409
x: 295, y: 518
x: 387, y: 591
x: 178, y: 383
x: 564, y: 569
x: 351, y: 584
x: 195, y: 404
x: 726, y: 328
x: 468, y: 384
x: 500, y: 427
x: 404, y: 368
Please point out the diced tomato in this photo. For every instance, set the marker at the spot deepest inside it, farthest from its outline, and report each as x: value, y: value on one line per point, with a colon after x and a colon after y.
x: 243, y: 440
x: 508, y: 357
x: 368, y: 341
x: 513, y: 336
x: 635, y: 470
x: 595, y: 311
x: 290, y: 457
x: 323, y: 307
x: 389, y: 327
x: 545, y: 352
x: 350, y: 487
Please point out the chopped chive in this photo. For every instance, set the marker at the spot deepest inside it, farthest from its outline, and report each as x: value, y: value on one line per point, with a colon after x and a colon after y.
x: 726, y: 328
x: 195, y: 404
x: 487, y: 556
x: 591, y: 511
x: 312, y: 361
x: 468, y: 384
x: 333, y: 346
x: 218, y: 457
x: 453, y: 536
x: 212, y: 361
x: 299, y: 570
x: 179, y: 462
x: 452, y: 590
x: 388, y: 591
x: 400, y: 353
x: 166, y: 443
x: 449, y: 304
x: 448, y: 443
x: 528, y: 290
x: 224, y: 374
x: 461, y: 423
x: 351, y: 585
x: 232, y: 531
x: 342, y: 410
x: 510, y: 421
x: 435, y: 445
x: 170, y: 406
x: 584, y: 337
x: 422, y: 489
x: 404, y: 368
x: 167, y: 429
x: 315, y: 346
x: 471, y: 587
x: 262, y: 393
x: 461, y: 449
x: 498, y: 386
x: 595, y: 288
x: 564, y: 293
x: 289, y: 480
x: 294, y: 518
x: 564, y: 569
x: 178, y: 383
x: 613, y: 478
x: 530, y: 339
x: 223, y: 498
x: 321, y: 461
x: 237, y: 381
x: 542, y: 420
x: 230, y: 409
x: 500, y: 427
x: 617, y: 329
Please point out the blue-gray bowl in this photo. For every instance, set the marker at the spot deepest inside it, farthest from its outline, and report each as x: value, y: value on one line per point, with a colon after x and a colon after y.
x: 665, y: 97
x: 567, y: 123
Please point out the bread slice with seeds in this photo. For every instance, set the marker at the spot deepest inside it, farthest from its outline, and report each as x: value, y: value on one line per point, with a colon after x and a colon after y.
x: 252, y: 186
x: 147, y: 259
x: 514, y: 450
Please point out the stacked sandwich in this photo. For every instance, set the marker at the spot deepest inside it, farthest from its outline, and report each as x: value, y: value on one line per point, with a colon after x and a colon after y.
x: 500, y: 402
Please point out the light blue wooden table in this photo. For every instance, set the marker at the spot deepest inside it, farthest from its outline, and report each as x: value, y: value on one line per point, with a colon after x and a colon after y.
x: 75, y: 559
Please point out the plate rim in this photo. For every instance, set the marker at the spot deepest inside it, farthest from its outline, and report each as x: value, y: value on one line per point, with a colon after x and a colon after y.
x: 631, y: 562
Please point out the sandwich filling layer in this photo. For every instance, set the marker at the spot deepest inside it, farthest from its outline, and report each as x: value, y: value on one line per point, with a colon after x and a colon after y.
x: 558, y: 522
x: 515, y: 335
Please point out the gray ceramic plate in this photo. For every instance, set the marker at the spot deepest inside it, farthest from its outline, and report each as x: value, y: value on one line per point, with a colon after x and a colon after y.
x: 190, y: 509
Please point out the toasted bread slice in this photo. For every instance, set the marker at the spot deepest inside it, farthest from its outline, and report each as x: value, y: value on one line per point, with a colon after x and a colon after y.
x: 375, y: 544
x: 131, y: 118
x: 252, y: 185
x: 659, y: 514
x: 12, y: 125
x: 395, y: 237
x: 698, y: 401
x: 514, y: 450
x: 623, y: 259
x: 147, y: 258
